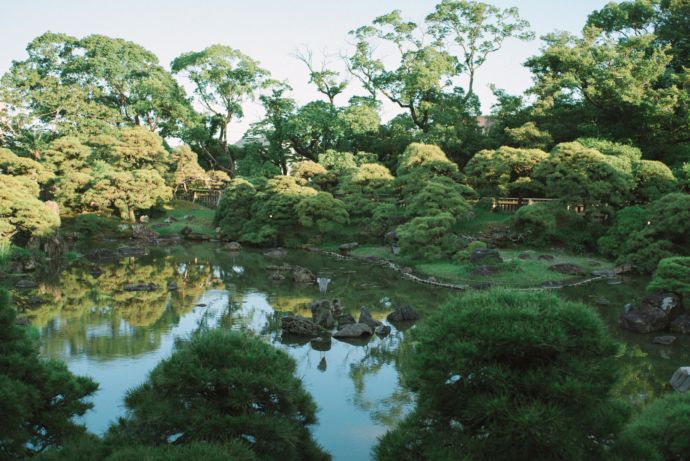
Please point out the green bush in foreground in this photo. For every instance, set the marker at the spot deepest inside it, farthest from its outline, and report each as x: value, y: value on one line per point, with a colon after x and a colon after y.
x: 504, y: 375
x: 660, y: 433
x: 38, y: 398
x: 218, y: 387
x: 93, y: 449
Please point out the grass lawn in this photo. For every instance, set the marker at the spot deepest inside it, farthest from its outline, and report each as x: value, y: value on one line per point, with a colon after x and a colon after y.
x: 513, y: 272
x: 198, y: 217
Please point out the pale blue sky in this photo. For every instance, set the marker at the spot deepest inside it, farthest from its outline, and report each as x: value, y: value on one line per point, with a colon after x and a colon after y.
x: 267, y: 30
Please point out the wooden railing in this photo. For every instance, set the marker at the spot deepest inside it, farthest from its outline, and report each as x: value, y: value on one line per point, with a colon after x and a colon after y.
x: 206, y: 197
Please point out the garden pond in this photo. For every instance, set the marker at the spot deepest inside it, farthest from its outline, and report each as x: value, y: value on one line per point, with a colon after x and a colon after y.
x: 116, y: 337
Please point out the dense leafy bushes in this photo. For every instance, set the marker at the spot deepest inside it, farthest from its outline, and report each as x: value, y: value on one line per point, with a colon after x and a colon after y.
x: 222, y: 386
x: 427, y: 237
x: 642, y: 237
x: 672, y: 274
x: 661, y: 432
x: 38, y: 398
x: 505, y: 171
x: 545, y: 224
x: 503, y: 375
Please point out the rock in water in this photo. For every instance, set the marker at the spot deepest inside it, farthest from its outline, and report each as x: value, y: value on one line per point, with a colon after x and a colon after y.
x: 276, y: 253
x: 664, y: 340
x: 681, y: 379
x: 568, y: 269
x: 366, y: 318
x: 345, y: 247
x: 233, y: 246
x: 140, y: 287
x: 303, y: 275
x: 144, y: 232
x: 354, y: 330
x: 655, y: 313
x: 322, y: 343
x: 404, y: 313
x: 322, y: 313
x: 485, y: 256
x: 681, y: 324
x: 383, y: 330
x: 296, y: 325
x: 344, y: 318
x: 26, y: 284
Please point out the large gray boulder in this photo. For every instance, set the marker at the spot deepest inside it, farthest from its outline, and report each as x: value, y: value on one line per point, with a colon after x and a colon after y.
x: 680, y: 380
x: 403, y: 313
x: 296, y: 325
x: 354, y: 330
x: 654, y: 313
x: 485, y: 256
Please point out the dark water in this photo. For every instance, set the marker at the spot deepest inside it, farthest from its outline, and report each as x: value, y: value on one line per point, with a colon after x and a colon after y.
x: 117, y: 337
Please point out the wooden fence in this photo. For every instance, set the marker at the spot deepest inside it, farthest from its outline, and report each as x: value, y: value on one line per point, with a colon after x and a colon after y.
x: 206, y: 197
x: 211, y: 197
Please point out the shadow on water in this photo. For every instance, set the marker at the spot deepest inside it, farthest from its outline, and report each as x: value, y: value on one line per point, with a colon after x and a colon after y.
x: 118, y: 336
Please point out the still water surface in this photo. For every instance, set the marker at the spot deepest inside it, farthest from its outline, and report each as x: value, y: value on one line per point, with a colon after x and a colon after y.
x: 117, y: 337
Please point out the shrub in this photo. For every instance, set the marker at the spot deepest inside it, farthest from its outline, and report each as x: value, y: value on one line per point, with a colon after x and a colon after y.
x: 584, y: 176
x: 498, y: 172
x: 235, y: 208
x: 672, y: 274
x: 221, y: 386
x: 615, y: 149
x: 439, y: 197
x: 626, y: 221
x: 39, y: 399
x: 90, y: 224
x: 427, y: 237
x: 322, y: 213
x: 306, y: 170
x: 660, y: 433
x: 652, y: 180
x: 503, y: 375
x: 464, y: 255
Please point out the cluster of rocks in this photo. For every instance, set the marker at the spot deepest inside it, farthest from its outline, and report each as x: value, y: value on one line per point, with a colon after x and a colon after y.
x: 298, y: 274
x: 656, y: 312
x: 327, y: 316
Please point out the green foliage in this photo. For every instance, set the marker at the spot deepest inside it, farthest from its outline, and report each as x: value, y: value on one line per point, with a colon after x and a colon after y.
x: 306, y: 170
x: 626, y: 222
x: 439, y: 197
x: 90, y: 224
x: 615, y: 149
x: 529, y: 136
x: 665, y: 233
x: 503, y: 171
x: 464, y: 255
x: 188, y: 173
x: 38, y: 398
x: 93, y: 449
x: 683, y: 176
x: 224, y: 79
x: 661, y: 432
x: 221, y: 386
x: 235, y: 208
x: 127, y: 192
x: 545, y: 224
x: 584, y: 176
x: 427, y: 237
x: 339, y: 162
x: 672, y: 274
x: 653, y: 180
x: 21, y: 212
x: 14, y: 165
x: 321, y: 212
x: 504, y: 375
x: 422, y: 155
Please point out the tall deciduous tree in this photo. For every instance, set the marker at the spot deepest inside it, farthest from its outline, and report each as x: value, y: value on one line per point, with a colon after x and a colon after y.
x: 224, y: 80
